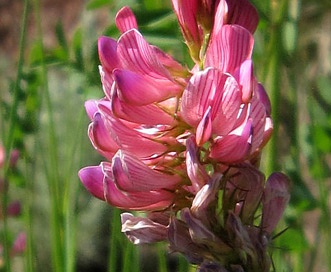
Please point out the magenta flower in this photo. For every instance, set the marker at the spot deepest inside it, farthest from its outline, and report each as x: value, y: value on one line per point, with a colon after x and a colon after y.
x: 183, y: 146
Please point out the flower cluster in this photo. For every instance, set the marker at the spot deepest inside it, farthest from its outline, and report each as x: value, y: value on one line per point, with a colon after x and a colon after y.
x: 13, y: 209
x: 184, y: 145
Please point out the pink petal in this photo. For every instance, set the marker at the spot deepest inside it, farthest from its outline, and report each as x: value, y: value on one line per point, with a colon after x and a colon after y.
x: 125, y: 20
x: 243, y: 13
x: 245, y: 78
x: 233, y: 147
x: 138, y: 56
x: 228, y: 48
x: 139, y: 90
x: 107, y: 48
x: 220, y: 16
x: 92, y: 179
x: 149, y: 114
x: 263, y: 97
x: 91, y: 108
x: 101, y: 137
x: 132, y: 175
x: 153, y: 200
x: 204, y: 128
x: 127, y: 138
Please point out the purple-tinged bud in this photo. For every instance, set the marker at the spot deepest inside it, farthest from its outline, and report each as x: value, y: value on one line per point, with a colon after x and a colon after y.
x: 14, y: 208
x: 275, y: 198
x: 140, y: 230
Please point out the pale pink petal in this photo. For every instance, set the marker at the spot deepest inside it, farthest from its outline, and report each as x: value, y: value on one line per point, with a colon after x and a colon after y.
x: 138, y: 56
x: 258, y: 115
x: 275, y: 199
x: 131, y: 175
x: 139, y: 90
x: 92, y: 179
x: 195, y: 170
x: 228, y: 48
x: 2, y: 156
x: 245, y: 77
x: 125, y: 20
x: 204, y: 129
x: 153, y: 200
x: 233, y: 147
x: 107, y: 48
x: 91, y: 108
x: 140, y: 230
x: 220, y: 16
x: 107, y: 81
x: 19, y: 244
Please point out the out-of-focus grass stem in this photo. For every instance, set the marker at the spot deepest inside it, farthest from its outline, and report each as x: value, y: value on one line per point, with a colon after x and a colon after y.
x: 10, y: 135
x: 52, y: 160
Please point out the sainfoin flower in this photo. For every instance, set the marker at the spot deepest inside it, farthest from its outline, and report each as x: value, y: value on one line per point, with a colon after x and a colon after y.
x: 183, y: 145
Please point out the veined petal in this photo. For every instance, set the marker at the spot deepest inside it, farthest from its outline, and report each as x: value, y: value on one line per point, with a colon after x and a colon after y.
x: 226, y: 105
x: 204, y: 128
x: 92, y: 179
x: 140, y: 230
x: 101, y: 137
x: 107, y: 48
x: 149, y: 114
x: 228, y: 48
x: 139, y: 90
x: 264, y: 98
x: 243, y: 13
x: 153, y: 200
x: 198, y: 95
x: 138, y: 56
x: 233, y: 147
x: 127, y: 138
x: 132, y: 175
x: 125, y: 20
x: 195, y: 170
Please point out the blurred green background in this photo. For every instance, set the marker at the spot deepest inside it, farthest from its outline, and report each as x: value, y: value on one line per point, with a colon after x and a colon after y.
x: 48, y: 68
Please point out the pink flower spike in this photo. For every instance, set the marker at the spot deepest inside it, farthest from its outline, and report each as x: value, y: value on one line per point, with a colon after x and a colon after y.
x: 204, y: 128
x: 14, y: 208
x: 136, y: 201
x: 233, y: 147
x: 92, y: 179
x: 125, y: 20
x: 275, y: 199
x: 2, y: 155
x: 228, y: 48
x: 132, y: 175
x: 139, y: 90
x: 140, y: 230
x: 107, y: 48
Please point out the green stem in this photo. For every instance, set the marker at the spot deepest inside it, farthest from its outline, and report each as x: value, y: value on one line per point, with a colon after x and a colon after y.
x: 56, y: 219
x: 10, y: 136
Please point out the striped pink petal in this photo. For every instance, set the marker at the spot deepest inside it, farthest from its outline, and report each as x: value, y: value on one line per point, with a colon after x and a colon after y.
x: 228, y: 48
x: 204, y: 129
x: 233, y: 147
x: 92, y: 179
x: 139, y: 90
x: 125, y: 20
x: 245, y: 77
x: 136, y: 201
x: 138, y: 56
x: 132, y: 175
x: 127, y: 138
